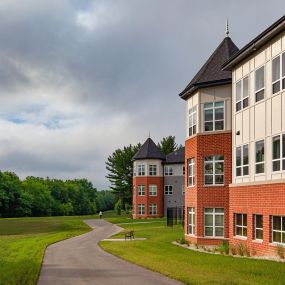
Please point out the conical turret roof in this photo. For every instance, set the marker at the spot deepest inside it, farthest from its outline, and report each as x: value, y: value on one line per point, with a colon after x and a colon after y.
x: 149, y: 150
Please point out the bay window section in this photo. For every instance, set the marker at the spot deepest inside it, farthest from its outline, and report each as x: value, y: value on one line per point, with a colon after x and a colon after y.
x: 278, y: 229
x: 191, y: 172
x: 191, y: 221
x: 259, y: 84
x: 242, y: 94
x: 278, y: 153
x: 242, y: 167
x: 214, y: 170
x: 214, y: 116
x: 259, y: 157
x: 214, y: 222
x: 241, y: 225
x: 192, y: 121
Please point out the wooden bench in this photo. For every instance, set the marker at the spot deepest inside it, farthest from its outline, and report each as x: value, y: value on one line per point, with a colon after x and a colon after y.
x: 130, y: 235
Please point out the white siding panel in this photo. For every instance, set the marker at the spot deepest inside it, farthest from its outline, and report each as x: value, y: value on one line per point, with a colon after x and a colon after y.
x: 245, y: 125
x: 259, y: 121
x: 276, y: 114
x: 276, y: 48
x: 259, y: 59
x: 239, y: 128
x: 239, y: 73
x: 283, y: 111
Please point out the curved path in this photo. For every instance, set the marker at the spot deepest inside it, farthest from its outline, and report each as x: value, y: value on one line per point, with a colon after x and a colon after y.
x: 80, y: 261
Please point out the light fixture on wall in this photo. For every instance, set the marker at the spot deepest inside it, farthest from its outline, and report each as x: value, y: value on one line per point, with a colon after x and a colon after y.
x: 238, y: 133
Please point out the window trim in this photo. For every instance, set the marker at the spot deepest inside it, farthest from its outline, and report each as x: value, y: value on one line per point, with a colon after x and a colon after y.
x: 168, y: 187
x: 140, y: 191
x: 151, y: 209
x: 242, y: 98
x: 255, y: 228
x: 150, y: 192
x: 281, y: 231
x: 214, y: 214
x: 213, y: 107
x: 281, y: 158
x: 141, y: 209
x: 151, y: 171
x: 192, y: 114
x: 281, y: 76
x: 241, y: 226
x: 242, y: 162
x: 263, y: 88
x: 260, y: 162
x: 168, y: 172
x: 191, y: 211
x: 141, y: 169
x: 191, y: 164
x: 213, y: 162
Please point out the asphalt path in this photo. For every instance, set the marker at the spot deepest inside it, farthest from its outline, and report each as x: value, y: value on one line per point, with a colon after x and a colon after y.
x: 80, y: 261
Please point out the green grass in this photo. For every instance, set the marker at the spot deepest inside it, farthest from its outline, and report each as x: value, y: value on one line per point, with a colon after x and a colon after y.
x: 158, y: 254
x: 23, y: 242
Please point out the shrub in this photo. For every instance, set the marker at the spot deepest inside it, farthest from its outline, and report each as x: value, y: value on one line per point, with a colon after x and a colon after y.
x: 224, y: 247
x: 233, y: 250
x: 118, y: 207
x: 128, y: 208
x: 280, y: 251
x: 243, y: 250
x: 182, y: 240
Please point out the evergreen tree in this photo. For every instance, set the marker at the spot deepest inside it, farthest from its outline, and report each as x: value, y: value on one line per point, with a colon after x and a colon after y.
x: 168, y: 145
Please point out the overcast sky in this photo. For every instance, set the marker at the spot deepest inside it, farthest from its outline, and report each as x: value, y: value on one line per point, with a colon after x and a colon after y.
x: 79, y: 79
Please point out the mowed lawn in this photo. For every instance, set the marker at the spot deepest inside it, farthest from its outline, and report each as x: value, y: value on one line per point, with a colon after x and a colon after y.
x: 24, y: 240
x: 157, y: 253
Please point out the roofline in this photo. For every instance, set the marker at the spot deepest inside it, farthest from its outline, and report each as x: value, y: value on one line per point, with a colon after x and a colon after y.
x: 186, y: 94
x: 166, y: 162
x: 162, y: 159
x: 255, y: 44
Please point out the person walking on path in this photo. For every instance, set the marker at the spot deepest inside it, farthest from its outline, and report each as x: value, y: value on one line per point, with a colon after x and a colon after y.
x: 100, y: 214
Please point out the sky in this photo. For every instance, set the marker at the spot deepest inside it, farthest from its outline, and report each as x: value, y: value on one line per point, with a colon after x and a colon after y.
x: 79, y: 79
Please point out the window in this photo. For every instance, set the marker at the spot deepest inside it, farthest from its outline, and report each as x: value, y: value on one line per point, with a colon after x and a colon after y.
x: 192, y: 121
x: 152, y: 170
x: 258, y: 227
x: 242, y: 94
x: 259, y: 84
x: 278, y: 73
x: 141, y: 209
x: 278, y: 153
x: 168, y: 190
x: 141, y: 191
x: 214, y: 222
x: 214, y: 116
x: 214, y: 170
x: 152, y: 209
x: 259, y: 157
x: 191, y: 172
x: 168, y: 170
x: 183, y: 170
x: 191, y: 221
x: 278, y: 229
x: 241, y: 225
x: 152, y: 190
x: 141, y: 170
x: 242, y: 160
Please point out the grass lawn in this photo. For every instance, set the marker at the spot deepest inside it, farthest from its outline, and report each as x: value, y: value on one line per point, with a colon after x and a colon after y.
x: 23, y: 242
x: 157, y: 253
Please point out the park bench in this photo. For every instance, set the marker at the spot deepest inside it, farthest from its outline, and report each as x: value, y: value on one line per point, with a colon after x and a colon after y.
x: 130, y: 235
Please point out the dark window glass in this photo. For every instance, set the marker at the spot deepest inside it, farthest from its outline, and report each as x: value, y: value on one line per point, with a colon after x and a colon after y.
x: 245, y: 102
x: 259, y: 95
x: 275, y: 87
x: 209, y: 115
x: 208, y: 126
x: 238, y: 106
x: 259, y: 151
x: 277, y: 223
x: 245, y: 170
x: 219, y: 125
x: 238, y: 156
x: 276, y: 147
x: 276, y: 69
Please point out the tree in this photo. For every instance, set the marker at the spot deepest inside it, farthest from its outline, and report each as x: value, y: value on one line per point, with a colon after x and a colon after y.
x: 168, y: 145
x: 118, y: 207
x: 120, y: 172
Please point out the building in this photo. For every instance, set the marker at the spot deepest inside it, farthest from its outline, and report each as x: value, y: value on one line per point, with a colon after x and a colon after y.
x: 158, y: 181
x: 235, y: 145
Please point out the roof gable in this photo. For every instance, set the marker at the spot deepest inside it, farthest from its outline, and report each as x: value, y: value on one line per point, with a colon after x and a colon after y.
x: 149, y: 150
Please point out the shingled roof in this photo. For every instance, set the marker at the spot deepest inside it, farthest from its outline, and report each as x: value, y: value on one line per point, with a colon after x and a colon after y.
x: 149, y: 150
x: 211, y: 73
x: 175, y: 157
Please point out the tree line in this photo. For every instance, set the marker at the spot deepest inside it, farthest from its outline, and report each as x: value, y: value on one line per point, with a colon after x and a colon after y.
x: 36, y: 196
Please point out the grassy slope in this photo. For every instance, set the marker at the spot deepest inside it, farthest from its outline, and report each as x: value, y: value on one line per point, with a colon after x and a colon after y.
x: 158, y: 254
x: 23, y: 242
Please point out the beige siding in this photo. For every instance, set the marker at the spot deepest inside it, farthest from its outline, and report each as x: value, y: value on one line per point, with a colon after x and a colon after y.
x: 148, y: 162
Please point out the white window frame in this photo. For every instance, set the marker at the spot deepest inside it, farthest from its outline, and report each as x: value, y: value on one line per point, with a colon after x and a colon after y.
x: 141, y: 209
x: 260, y: 162
x: 281, y: 158
x: 243, y: 98
x: 141, y: 170
x: 141, y: 190
x: 282, y: 231
x: 191, y: 172
x: 168, y: 170
x: 214, y: 213
x: 242, y: 165
x: 281, y: 78
x: 153, y: 209
x: 214, y: 108
x: 192, y: 121
x: 263, y: 88
x: 214, y: 174
x: 256, y: 228
x: 242, y: 226
x: 191, y: 221
x: 152, y: 190
x: 168, y: 189
x: 152, y: 170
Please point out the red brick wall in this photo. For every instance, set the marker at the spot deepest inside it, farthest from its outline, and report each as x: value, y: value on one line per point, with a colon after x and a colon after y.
x: 201, y: 196
x: 266, y: 200
x: 146, y: 199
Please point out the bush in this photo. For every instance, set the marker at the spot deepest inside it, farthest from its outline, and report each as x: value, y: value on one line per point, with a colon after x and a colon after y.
x: 241, y: 249
x: 233, y: 250
x: 182, y: 240
x: 280, y: 251
x: 118, y: 207
x: 128, y: 208
x: 224, y: 247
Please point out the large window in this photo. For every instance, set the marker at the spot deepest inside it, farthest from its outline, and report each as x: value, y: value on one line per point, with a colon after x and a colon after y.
x: 141, y: 170
x: 214, y: 116
x: 241, y: 225
x: 259, y: 84
x: 278, y: 73
x: 152, y: 209
x: 192, y: 121
x: 214, y: 170
x: 191, y: 221
x: 153, y: 190
x: 168, y: 190
x: 214, y: 222
x: 152, y: 170
x: 141, y: 209
x: 278, y: 152
x: 191, y: 172
x: 168, y: 170
x: 258, y: 227
x: 141, y: 191
x: 242, y: 160
x: 259, y: 157
x: 278, y: 229
x: 242, y: 94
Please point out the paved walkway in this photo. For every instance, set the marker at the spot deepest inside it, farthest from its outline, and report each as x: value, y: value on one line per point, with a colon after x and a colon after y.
x: 80, y: 261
